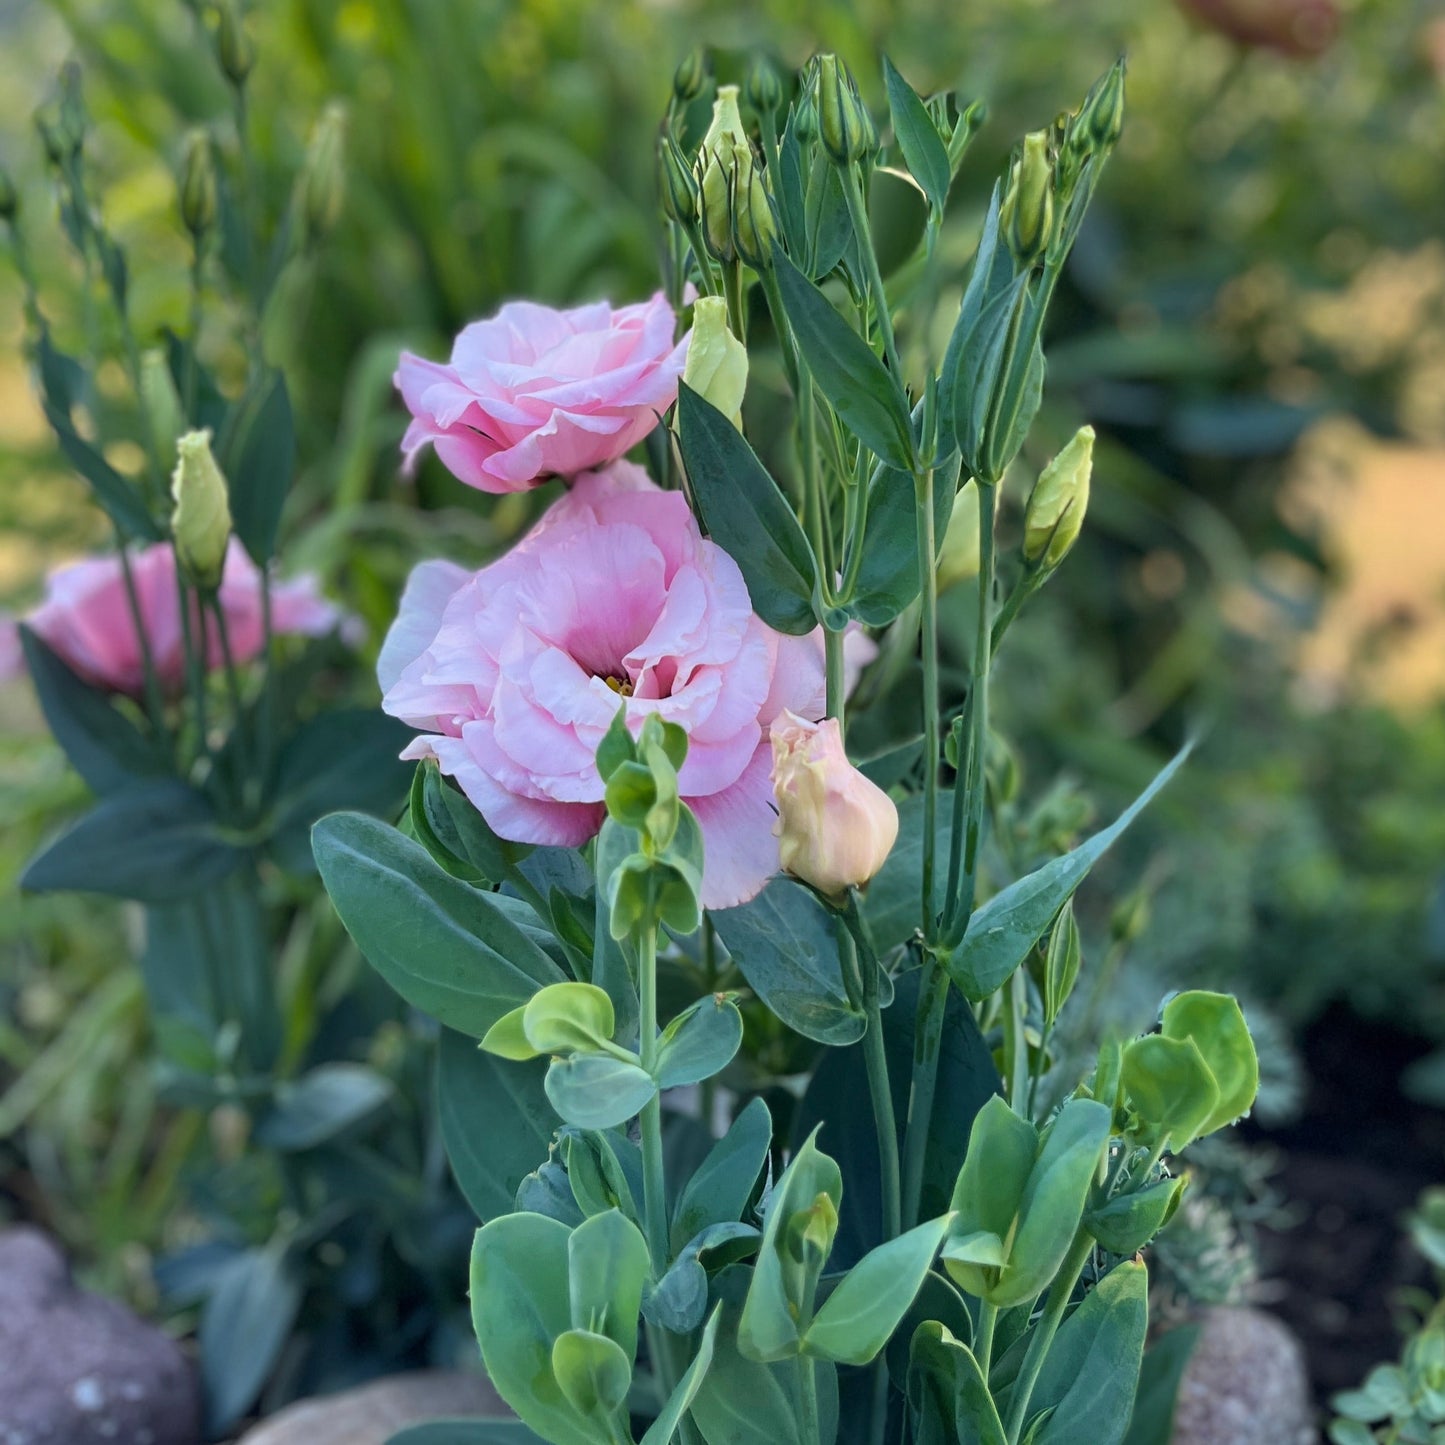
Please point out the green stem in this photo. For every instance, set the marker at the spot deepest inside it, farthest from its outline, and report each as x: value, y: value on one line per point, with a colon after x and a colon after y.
x: 928, y: 591
x: 653, y: 1183
x: 1045, y: 1330
x: 1025, y: 588
x: 881, y: 1094
x: 833, y: 663
x: 963, y: 862
x: 927, y: 1041
x: 808, y: 1402
x: 155, y: 703
x: 858, y: 210
x: 983, y: 1336
x: 733, y: 291
x: 1016, y: 1043
x: 233, y: 688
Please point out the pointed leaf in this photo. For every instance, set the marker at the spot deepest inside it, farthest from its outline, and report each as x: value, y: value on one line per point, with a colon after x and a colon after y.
x: 685, y: 1391
x: 918, y: 138
x: 258, y: 456
x: 720, y: 1189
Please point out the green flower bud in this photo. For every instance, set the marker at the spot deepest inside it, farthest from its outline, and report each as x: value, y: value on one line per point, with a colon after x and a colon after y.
x: 323, y: 180
x: 1055, y: 512
x: 688, y: 78
x: 198, y: 185
x: 717, y: 362
x: 676, y: 184
x: 1027, y: 214
x: 1061, y: 964
x: 201, y: 522
x: 161, y: 406
x: 716, y: 159
x: 755, y: 227
x: 726, y: 130
x: 763, y: 86
x: 958, y: 552
x: 72, y: 118
x: 805, y: 119
x: 844, y: 124
x: 1103, y: 109
x: 9, y: 197
x: 235, y: 49
x: 970, y: 122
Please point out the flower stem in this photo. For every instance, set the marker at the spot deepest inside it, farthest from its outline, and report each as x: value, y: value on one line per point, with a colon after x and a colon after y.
x: 858, y: 210
x: 808, y: 1402
x: 653, y: 1183
x: 881, y: 1094
x: 1045, y: 1330
x: 928, y: 591
x: 1016, y: 1044
x: 983, y: 1336
x: 833, y: 662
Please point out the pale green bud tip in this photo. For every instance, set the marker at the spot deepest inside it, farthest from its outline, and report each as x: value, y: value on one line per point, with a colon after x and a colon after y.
x: 324, y: 182
x: 687, y: 80
x: 1105, y: 108
x: 676, y: 184
x: 201, y: 522
x: 1055, y: 513
x: 726, y: 129
x: 717, y: 362
x: 754, y: 226
x: 1027, y: 214
x: 198, y: 185
x: 764, y: 88
x: 844, y: 124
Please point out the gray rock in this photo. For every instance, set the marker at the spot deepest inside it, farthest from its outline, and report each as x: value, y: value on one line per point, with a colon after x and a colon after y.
x: 372, y: 1414
x: 1246, y: 1384
x: 79, y: 1369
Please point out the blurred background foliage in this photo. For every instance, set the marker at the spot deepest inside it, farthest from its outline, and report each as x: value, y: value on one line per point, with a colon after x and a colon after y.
x: 1254, y: 320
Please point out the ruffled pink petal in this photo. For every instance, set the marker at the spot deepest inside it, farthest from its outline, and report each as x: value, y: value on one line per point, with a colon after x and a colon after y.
x: 740, y: 852
x: 419, y: 615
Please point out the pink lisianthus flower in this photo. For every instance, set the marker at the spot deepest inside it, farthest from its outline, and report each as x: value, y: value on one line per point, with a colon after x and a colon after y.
x: 533, y: 393
x: 514, y: 673
x: 86, y: 618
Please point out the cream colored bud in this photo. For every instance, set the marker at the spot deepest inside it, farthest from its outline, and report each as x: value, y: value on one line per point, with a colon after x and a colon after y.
x: 835, y: 827
x: 1055, y: 513
x: 958, y: 556
x: 726, y: 130
x: 717, y: 362
x: 201, y: 522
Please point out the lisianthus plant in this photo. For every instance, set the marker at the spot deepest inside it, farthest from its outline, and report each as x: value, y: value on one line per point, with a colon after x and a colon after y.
x: 747, y: 1065
x: 206, y: 701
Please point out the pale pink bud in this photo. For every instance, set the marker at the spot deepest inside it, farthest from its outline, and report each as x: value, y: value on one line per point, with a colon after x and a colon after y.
x: 835, y: 827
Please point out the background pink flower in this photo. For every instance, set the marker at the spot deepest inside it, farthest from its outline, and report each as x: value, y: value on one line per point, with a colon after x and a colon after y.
x: 86, y: 618
x: 533, y: 392
x: 515, y: 672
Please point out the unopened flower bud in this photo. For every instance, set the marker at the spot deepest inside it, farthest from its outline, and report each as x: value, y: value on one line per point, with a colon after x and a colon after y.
x: 676, y: 184
x: 71, y: 117
x: 844, y: 124
x: 688, y: 78
x: 1027, y: 214
x: 755, y: 227
x: 717, y: 362
x: 726, y: 129
x: 835, y: 827
x: 235, y: 49
x: 810, y: 1232
x: 9, y: 197
x: 724, y: 143
x: 201, y: 522
x: 763, y: 86
x: 805, y: 119
x: 958, y: 553
x: 323, y: 182
x: 1055, y: 512
x: 161, y: 406
x: 1103, y: 109
x: 198, y: 185
x: 970, y: 122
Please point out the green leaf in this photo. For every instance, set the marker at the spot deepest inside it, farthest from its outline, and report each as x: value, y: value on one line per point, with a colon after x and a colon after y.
x: 785, y: 943
x: 520, y: 1305
x: 662, y: 1430
x: 346, y: 758
x: 604, y: 1170
x: 947, y: 1394
x: 867, y: 397
x: 102, y: 744
x: 1216, y: 1024
x: 1002, y: 1148
x: 1170, y: 1088
x: 796, y: 1242
x: 1091, y: 1372
x: 117, y: 497
x: 893, y: 904
x: 566, y: 1016
x: 443, y: 946
x: 492, y: 1150
x: 1126, y: 1223
x: 923, y: 148
x: 608, y: 1264
x: 743, y: 511
x: 153, y: 842
x: 453, y: 821
x: 700, y: 1042
x: 258, y: 456
x: 723, y: 1184
x: 328, y: 1101
x: 741, y: 1402
x: 596, y: 1091
x: 1002, y: 932
x: 857, y: 1319
x: 888, y: 579
x: 592, y: 1373
x: 245, y: 1324
x: 1152, y: 1422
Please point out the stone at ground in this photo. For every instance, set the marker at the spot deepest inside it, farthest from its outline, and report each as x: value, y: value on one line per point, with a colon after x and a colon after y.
x: 372, y: 1414
x: 1245, y: 1384
x: 79, y: 1369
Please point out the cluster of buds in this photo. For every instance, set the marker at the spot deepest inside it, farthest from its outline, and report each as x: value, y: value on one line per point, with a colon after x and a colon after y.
x: 845, y: 126
x: 733, y: 200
